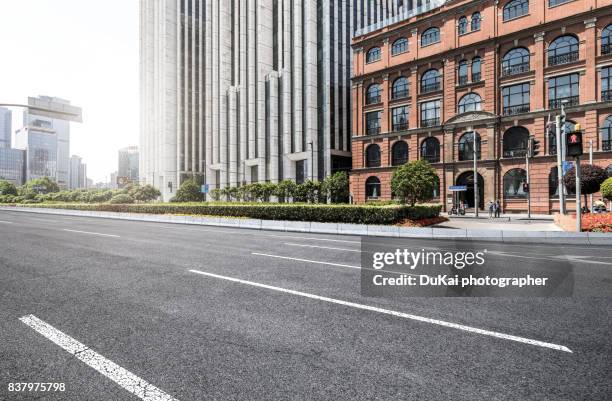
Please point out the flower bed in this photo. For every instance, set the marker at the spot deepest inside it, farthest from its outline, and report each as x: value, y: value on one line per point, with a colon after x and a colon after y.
x: 601, y: 223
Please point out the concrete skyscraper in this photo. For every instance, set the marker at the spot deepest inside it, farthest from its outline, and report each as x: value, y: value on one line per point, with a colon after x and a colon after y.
x: 242, y: 91
x: 78, y: 173
x: 128, y: 172
x: 5, y: 127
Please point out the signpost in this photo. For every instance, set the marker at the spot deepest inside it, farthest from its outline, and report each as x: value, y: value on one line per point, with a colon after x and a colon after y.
x: 574, y: 148
x: 205, y: 188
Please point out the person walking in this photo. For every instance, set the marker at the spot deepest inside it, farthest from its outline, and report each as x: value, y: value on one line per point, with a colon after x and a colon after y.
x: 490, y: 206
x: 497, y: 209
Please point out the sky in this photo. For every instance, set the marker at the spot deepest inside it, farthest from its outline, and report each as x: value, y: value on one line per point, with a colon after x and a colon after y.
x: 85, y: 51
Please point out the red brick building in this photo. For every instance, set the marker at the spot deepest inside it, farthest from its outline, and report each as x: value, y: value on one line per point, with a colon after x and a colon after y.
x: 424, y: 86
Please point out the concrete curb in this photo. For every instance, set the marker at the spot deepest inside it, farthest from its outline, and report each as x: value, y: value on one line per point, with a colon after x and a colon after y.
x: 547, y: 237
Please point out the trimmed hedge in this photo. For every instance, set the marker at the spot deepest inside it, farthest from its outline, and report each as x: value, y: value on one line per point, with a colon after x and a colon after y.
x: 357, y: 214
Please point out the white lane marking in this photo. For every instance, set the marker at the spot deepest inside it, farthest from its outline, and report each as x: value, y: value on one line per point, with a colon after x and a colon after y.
x: 6, y: 222
x: 323, y: 247
x: 443, y: 323
x: 91, y: 233
x: 306, y: 260
x: 129, y: 381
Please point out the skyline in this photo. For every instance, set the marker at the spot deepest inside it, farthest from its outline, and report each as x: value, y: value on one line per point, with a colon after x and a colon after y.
x: 96, y: 70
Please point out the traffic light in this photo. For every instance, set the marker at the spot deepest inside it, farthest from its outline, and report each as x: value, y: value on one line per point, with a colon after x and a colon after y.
x: 573, y: 142
x: 534, y: 147
x: 525, y: 187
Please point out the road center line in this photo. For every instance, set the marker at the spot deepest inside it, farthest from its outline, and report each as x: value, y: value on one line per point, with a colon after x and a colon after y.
x: 6, y: 222
x: 323, y: 247
x: 91, y: 233
x: 306, y: 260
x: 443, y: 323
x: 106, y: 367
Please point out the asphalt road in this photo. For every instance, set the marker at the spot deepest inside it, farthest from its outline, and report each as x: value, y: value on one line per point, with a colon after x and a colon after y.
x: 198, y: 313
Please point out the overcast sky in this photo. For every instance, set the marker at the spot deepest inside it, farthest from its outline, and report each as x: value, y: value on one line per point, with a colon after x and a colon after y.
x: 85, y: 51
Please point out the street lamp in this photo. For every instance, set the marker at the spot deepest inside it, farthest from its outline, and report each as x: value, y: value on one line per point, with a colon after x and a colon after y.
x: 311, y: 160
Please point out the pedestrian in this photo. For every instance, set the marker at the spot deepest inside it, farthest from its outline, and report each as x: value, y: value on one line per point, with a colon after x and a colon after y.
x: 490, y: 206
x: 497, y: 209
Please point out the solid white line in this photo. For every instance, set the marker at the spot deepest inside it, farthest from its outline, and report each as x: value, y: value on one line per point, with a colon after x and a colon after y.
x: 6, y: 222
x: 306, y: 260
x: 90, y: 233
x: 323, y: 247
x: 394, y: 313
x: 108, y: 368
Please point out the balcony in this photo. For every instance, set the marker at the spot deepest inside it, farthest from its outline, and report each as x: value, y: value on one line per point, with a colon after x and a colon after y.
x: 606, y: 95
x: 566, y: 101
x: 516, y: 69
x: 562, y: 58
x: 431, y: 157
x: 400, y: 94
x: 518, y: 109
x: 606, y: 146
x: 373, y: 130
x: 463, y: 79
x: 428, y: 87
x: 430, y: 122
x: 606, y: 49
x: 400, y: 127
x: 373, y: 100
x: 476, y: 77
x: 516, y: 152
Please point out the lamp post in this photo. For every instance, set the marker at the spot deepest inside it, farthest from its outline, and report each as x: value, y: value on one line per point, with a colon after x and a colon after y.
x: 476, y: 192
x: 311, y: 160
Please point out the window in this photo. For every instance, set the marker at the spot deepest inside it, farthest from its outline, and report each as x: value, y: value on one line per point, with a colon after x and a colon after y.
x: 476, y: 69
x: 553, y: 184
x: 563, y: 90
x: 400, y: 88
x: 373, y: 122
x: 569, y: 126
x: 399, y: 46
x: 430, y: 81
x: 430, y: 150
x: 609, y: 170
x: 513, y: 184
x: 516, y: 61
x: 462, y: 25
x: 430, y: 113
x: 515, y: 142
x: 515, y: 99
x: 372, y: 188
x: 462, y: 72
x: 563, y: 50
x: 400, y: 118
x: 516, y: 8
x: 373, y: 94
x: 606, y: 41
x: 373, y: 55
x: 399, y: 153
x: 373, y: 156
x: 476, y: 21
x: 300, y: 171
x: 430, y: 36
x: 552, y: 3
x: 470, y: 102
x: 466, y: 146
x: 606, y: 135
x: 606, y: 84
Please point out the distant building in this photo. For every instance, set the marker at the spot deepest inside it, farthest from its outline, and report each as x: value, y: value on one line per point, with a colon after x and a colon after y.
x: 12, y: 165
x: 78, y: 173
x: 5, y: 127
x: 128, y: 166
x: 89, y: 183
x: 113, y: 180
x: 40, y: 146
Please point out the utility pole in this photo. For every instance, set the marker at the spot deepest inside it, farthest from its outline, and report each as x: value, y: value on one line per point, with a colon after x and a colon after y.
x: 527, y: 156
x: 591, y: 163
x: 578, y: 205
x: 311, y: 160
x: 476, y: 192
x: 560, y: 165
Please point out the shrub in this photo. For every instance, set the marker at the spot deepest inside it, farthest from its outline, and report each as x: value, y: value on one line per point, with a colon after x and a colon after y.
x: 145, y: 193
x: 189, y: 192
x: 285, y: 190
x: 606, y: 189
x: 601, y: 223
x: 414, y: 182
x: 44, y: 185
x: 591, y: 178
x: 121, y: 199
x: 336, y: 187
x: 7, y: 188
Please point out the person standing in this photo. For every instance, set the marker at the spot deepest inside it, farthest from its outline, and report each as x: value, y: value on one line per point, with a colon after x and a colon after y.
x: 497, y: 209
x: 490, y: 206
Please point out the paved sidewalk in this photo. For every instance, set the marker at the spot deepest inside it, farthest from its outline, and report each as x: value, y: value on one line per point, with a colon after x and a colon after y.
x: 511, y: 222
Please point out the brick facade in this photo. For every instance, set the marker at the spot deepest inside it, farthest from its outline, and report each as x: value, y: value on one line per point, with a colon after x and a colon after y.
x: 537, y: 31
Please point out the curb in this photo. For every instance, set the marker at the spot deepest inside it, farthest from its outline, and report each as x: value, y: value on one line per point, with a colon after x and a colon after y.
x: 547, y: 237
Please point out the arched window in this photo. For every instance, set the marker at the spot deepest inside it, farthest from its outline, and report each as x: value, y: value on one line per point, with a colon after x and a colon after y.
x: 462, y: 72
x: 373, y: 156
x: 476, y: 69
x: 606, y: 135
x: 553, y: 184
x: 606, y: 40
x: 372, y: 188
x: 513, y: 184
x: 476, y: 21
x: 516, y: 61
x: 399, y: 46
x: 430, y: 150
x: 609, y: 170
x: 516, y: 8
x: 462, y: 25
x: 430, y: 81
x: 466, y: 146
x: 373, y: 55
x: 563, y: 50
x: 516, y: 140
x: 373, y: 94
x: 470, y: 102
x: 399, y: 153
x: 400, y: 88
x: 430, y: 36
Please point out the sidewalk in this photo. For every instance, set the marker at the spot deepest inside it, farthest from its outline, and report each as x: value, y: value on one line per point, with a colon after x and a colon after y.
x: 511, y: 222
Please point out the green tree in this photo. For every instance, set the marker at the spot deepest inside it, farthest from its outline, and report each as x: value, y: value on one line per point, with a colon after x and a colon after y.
x: 42, y: 185
x: 121, y: 199
x: 591, y: 178
x: 285, y: 190
x: 189, y: 191
x: 606, y: 189
x: 414, y: 182
x: 145, y: 193
x: 7, y: 188
x: 267, y: 190
x: 336, y: 186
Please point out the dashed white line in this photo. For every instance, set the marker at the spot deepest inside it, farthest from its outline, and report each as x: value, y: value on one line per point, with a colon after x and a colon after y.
x: 6, y: 222
x: 91, y: 233
x: 443, y: 323
x: 129, y: 381
x: 306, y: 260
x: 323, y: 247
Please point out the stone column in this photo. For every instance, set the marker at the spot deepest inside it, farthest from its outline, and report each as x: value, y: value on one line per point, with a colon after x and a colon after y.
x: 538, y: 59
x: 589, y: 80
x: 414, y: 90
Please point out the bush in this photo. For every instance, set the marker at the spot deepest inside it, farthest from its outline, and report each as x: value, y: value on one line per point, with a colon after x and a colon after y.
x: 336, y: 187
x: 601, y: 223
x: 189, y: 192
x: 285, y: 190
x: 606, y: 189
x: 358, y: 214
x: 121, y: 199
x: 145, y: 193
x: 414, y: 182
x: 7, y: 188
x: 44, y: 185
x: 591, y: 178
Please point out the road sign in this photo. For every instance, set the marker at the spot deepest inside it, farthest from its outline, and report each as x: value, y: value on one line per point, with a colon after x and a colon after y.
x: 567, y: 166
x: 457, y: 188
x: 205, y: 189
